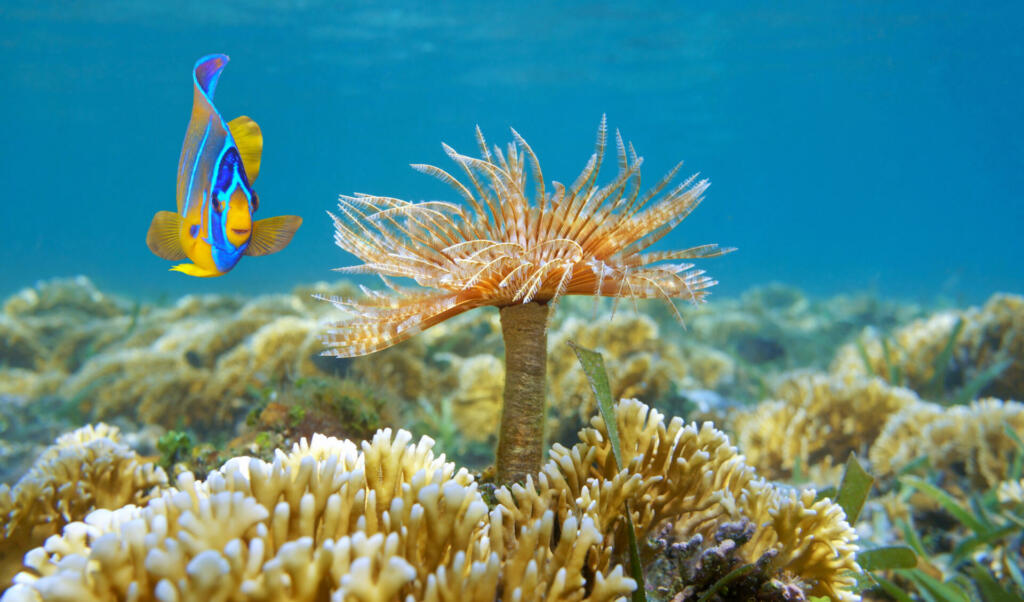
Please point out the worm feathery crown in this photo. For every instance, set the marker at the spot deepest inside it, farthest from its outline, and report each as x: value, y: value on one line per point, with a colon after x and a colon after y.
x: 497, y: 248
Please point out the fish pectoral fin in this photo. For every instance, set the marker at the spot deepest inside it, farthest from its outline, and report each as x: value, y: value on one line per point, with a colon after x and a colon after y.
x: 163, y: 238
x: 272, y: 234
x: 193, y: 270
x: 249, y: 141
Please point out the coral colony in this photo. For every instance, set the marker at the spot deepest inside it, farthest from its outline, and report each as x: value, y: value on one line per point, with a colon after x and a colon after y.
x: 388, y: 520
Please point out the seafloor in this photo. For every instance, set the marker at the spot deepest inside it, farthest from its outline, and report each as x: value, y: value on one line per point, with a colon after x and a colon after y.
x: 186, y: 388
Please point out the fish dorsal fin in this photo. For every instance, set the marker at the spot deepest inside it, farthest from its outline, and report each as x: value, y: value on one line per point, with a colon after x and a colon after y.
x: 249, y: 141
x: 206, y: 73
x: 163, y: 238
x: 272, y: 234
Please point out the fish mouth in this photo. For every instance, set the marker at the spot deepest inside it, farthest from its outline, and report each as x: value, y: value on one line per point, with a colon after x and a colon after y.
x: 240, y: 231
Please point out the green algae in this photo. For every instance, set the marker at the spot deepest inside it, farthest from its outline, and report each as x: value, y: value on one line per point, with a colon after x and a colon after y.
x: 597, y: 376
x: 174, y: 447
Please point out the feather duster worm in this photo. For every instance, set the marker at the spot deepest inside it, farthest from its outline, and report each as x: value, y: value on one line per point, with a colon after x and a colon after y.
x: 497, y: 247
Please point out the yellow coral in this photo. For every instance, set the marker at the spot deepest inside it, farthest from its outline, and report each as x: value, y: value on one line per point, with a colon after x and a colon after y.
x: 913, y: 350
x: 816, y: 422
x: 996, y: 336
x: 902, y: 439
x: 76, y: 295
x: 692, y: 478
x: 29, y: 383
x: 989, y: 335
x: 82, y: 471
x: 967, y: 441
x: 387, y: 520
x: 640, y: 363
x: 19, y: 347
x: 477, y: 400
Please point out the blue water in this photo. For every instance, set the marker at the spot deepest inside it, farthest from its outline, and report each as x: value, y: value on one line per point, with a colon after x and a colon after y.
x: 851, y: 146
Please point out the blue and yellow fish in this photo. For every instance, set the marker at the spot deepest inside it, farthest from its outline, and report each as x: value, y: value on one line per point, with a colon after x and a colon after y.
x: 219, y: 161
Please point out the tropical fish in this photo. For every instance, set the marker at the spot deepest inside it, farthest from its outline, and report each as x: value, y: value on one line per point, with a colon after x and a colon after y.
x: 219, y: 162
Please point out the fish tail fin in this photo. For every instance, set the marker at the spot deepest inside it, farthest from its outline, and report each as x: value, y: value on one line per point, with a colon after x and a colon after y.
x: 193, y: 270
x: 272, y: 234
x: 163, y: 237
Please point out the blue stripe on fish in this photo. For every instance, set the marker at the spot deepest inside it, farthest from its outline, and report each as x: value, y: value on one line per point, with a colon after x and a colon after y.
x: 230, y: 174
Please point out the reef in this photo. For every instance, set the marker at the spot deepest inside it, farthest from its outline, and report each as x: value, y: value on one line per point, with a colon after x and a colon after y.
x: 779, y: 327
x: 947, y: 457
x: 814, y: 422
x: 84, y: 470
x: 641, y: 361
x: 200, y: 363
x: 971, y: 444
x: 942, y: 353
x: 218, y: 378
x: 204, y: 364
x: 389, y: 520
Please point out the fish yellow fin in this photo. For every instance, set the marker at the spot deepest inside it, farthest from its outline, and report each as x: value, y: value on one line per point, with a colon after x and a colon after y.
x: 163, y: 237
x: 272, y: 234
x: 249, y: 141
x: 193, y: 270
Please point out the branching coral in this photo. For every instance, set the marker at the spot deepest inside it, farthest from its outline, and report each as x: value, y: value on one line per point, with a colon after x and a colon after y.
x: 776, y: 326
x: 990, y: 336
x: 327, y: 520
x: 388, y: 520
x: 690, y: 477
x: 815, y: 423
x: 997, y: 336
x: 640, y: 360
x: 84, y: 470
x: 969, y: 442
x: 62, y: 296
x: 18, y: 345
x: 640, y: 363
x: 197, y: 363
x: 902, y: 438
x: 477, y: 400
x: 175, y: 371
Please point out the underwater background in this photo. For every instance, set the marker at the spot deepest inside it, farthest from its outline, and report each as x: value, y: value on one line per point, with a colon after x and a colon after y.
x: 867, y: 146
x: 866, y: 159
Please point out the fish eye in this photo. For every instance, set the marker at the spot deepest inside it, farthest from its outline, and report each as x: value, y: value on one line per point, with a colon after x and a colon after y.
x: 218, y: 205
x: 255, y: 201
x: 193, y: 230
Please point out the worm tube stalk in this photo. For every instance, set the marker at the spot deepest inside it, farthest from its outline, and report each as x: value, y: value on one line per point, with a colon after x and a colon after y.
x: 521, y: 438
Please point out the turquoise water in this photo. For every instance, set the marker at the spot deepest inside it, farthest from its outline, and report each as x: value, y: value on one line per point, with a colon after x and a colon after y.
x: 851, y: 146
